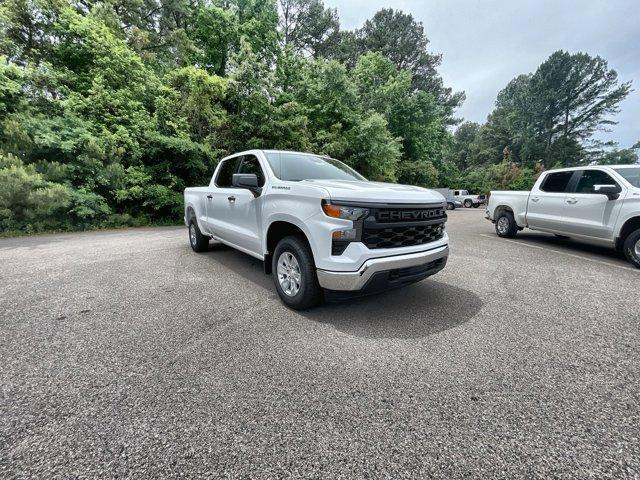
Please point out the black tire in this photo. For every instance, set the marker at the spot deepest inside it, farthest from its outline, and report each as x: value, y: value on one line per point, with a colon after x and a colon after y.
x: 198, y: 241
x: 506, y: 226
x: 476, y: 205
x: 467, y: 203
x: 631, y: 248
x: 450, y: 206
x: 309, y: 292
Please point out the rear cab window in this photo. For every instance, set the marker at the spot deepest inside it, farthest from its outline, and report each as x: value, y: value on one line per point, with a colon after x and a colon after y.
x: 556, y: 182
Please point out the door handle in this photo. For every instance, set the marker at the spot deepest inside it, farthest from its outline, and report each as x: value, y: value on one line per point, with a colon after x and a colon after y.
x: 231, y: 199
x: 535, y: 199
x: 572, y: 201
x: 209, y: 197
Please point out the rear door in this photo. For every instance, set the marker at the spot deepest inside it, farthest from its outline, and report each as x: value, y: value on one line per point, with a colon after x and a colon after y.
x: 591, y: 214
x: 547, y: 201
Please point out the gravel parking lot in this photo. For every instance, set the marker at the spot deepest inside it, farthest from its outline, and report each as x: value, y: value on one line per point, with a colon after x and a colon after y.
x: 123, y: 353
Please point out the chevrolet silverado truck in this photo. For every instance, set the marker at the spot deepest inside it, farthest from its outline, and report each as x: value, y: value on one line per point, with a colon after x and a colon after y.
x: 595, y: 204
x: 319, y: 226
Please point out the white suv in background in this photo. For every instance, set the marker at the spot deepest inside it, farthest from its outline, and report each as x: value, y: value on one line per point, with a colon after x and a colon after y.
x: 596, y: 204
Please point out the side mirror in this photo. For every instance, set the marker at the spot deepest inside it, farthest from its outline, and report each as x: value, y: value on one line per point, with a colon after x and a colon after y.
x: 248, y: 181
x: 611, y: 191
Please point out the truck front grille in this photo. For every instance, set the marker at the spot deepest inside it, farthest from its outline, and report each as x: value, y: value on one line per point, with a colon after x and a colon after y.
x: 397, y: 236
x: 403, y: 226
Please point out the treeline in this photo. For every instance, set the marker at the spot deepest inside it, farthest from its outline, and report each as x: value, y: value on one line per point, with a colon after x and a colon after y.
x: 109, y: 109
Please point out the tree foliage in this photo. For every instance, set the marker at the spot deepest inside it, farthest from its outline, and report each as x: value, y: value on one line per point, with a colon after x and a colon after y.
x: 546, y: 119
x: 110, y: 108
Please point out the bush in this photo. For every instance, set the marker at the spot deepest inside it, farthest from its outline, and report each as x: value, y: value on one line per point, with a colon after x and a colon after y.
x: 27, y: 201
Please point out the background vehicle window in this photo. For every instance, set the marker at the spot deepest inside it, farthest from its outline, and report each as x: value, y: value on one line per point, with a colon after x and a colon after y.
x: 590, y: 178
x: 250, y: 164
x: 556, y: 182
x: 225, y: 173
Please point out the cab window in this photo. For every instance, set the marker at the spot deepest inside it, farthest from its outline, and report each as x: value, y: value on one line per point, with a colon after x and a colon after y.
x: 250, y: 164
x: 589, y: 178
x: 225, y: 173
x: 556, y: 182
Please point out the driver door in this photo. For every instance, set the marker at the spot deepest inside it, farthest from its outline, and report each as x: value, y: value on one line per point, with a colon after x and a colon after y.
x: 588, y: 213
x: 239, y: 209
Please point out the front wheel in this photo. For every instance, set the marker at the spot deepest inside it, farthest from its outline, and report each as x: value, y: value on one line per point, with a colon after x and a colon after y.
x: 198, y: 241
x: 294, y: 274
x: 632, y: 248
x: 506, y: 225
x: 450, y: 206
x: 468, y: 203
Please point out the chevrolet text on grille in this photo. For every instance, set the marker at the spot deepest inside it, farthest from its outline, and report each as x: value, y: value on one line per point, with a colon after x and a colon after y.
x: 409, y: 214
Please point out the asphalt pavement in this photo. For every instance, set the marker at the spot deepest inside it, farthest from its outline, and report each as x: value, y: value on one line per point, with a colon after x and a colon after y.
x: 125, y: 354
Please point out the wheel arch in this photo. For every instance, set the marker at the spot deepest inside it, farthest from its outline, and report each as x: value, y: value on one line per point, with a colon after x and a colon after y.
x: 500, y: 209
x: 277, y: 230
x: 629, y: 226
x: 189, y: 213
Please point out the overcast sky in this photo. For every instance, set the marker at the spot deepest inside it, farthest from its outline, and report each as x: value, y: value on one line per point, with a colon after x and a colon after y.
x: 487, y: 43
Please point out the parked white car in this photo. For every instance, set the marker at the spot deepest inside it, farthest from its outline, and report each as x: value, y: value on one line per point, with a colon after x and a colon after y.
x: 468, y: 200
x: 318, y: 225
x: 596, y: 204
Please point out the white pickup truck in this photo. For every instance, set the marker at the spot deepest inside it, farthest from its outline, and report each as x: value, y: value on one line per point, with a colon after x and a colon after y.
x: 468, y: 200
x: 318, y: 225
x: 595, y: 204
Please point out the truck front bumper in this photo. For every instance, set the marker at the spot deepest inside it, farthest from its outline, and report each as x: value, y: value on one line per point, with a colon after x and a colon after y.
x: 379, y: 274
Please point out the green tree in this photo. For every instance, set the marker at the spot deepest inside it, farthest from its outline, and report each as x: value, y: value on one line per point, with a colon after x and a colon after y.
x: 308, y: 27
x: 549, y: 115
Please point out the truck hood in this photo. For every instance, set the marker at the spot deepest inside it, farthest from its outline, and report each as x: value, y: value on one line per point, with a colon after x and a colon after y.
x: 376, y: 192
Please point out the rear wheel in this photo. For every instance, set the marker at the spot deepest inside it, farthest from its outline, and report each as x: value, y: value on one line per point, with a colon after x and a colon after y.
x: 632, y: 248
x: 450, y: 206
x: 468, y: 203
x: 294, y: 274
x: 506, y: 225
x: 198, y: 241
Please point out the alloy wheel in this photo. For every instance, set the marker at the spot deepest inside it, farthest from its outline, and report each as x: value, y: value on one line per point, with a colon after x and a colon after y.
x: 503, y: 225
x: 192, y: 234
x: 289, y: 275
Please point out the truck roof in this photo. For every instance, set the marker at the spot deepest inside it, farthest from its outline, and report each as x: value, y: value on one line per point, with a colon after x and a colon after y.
x: 570, y: 169
x: 265, y: 150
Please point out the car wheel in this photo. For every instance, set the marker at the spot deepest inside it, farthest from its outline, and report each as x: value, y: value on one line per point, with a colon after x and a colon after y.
x: 198, y: 241
x: 450, y: 206
x: 468, y: 203
x: 632, y: 248
x: 506, y: 225
x: 294, y: 274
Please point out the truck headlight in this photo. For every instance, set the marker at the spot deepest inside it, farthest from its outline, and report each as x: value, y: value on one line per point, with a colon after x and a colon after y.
x: 347, y: 213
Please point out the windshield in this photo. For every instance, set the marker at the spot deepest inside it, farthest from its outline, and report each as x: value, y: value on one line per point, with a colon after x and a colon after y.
x: 304, y: 166
x: 630, y: 174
